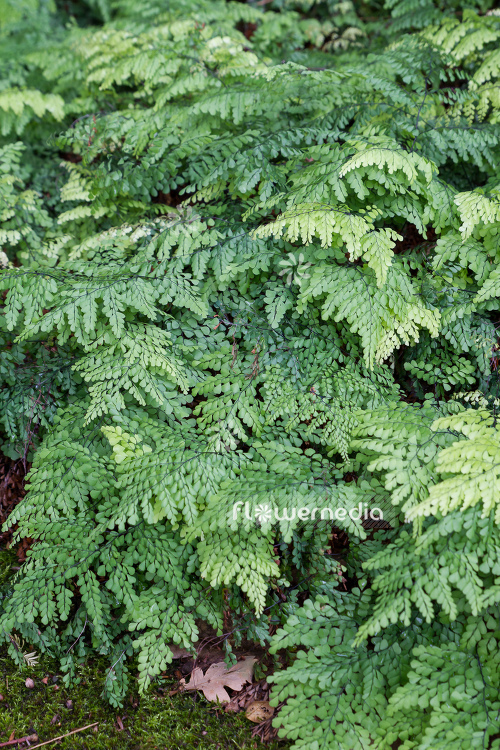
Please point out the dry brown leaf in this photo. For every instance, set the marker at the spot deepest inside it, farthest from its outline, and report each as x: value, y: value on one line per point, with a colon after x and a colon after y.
x: 13, y: 734
x: 218, y: 675
x: 259, y: 711
x: 257, y: 691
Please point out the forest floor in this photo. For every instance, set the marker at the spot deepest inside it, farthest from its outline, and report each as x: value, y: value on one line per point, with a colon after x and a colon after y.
x: 151, y: 722
x: 34, y: 701
x: 35, y: 704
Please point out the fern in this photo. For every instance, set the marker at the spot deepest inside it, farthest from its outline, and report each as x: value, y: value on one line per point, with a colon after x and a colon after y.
x: 250, y: 267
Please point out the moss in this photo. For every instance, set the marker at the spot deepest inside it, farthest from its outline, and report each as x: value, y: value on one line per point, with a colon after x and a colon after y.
x: 152, y: 721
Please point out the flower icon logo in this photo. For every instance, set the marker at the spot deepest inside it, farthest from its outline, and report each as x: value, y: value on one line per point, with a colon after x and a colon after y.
x: 263, y: 513
x: 295, y: 269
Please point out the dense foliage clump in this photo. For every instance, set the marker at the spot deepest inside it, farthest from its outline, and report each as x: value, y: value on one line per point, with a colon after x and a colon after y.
x: 251, y: 256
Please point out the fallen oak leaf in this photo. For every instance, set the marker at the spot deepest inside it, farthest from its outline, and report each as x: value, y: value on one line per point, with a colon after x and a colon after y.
x: 217, y: 676
x: 259, y: 711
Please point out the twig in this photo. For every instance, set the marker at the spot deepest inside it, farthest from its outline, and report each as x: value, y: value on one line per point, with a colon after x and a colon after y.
x: 62, y: 736
x: 28, y: 737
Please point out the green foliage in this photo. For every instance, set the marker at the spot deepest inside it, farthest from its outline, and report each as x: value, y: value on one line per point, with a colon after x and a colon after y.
x: 251, y: 265
x: 422, y: 686
x: 157, y: 718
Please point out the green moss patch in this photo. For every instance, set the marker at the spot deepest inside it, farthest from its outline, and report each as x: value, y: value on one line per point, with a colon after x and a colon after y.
x: 151, y: 722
